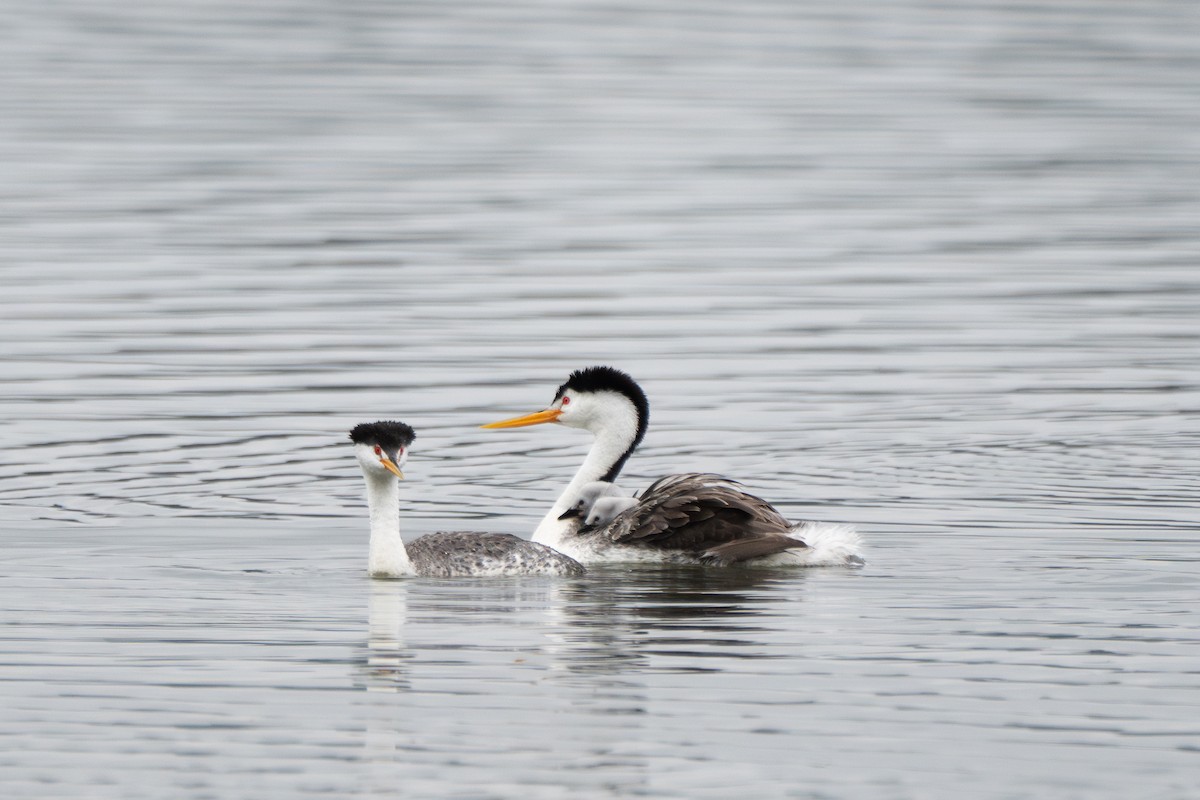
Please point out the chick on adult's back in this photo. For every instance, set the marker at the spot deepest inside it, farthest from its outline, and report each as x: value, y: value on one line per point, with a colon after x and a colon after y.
x: 696, y: 518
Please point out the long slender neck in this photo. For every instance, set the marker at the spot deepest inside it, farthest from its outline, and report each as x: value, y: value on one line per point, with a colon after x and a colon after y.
x: 612, y: 447
x: 388, y: 558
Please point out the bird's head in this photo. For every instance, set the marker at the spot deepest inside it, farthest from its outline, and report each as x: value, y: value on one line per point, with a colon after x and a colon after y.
x: 595, y: 399
x: 589, y: 493
x: 606, y: 509
x: 382, y: 447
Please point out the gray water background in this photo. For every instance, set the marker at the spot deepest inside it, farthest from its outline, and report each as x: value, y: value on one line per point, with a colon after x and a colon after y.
x: 928, y: 268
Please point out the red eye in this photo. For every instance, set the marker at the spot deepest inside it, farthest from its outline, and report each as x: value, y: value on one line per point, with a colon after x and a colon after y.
x: 566, y: 401
x: 378, y: 449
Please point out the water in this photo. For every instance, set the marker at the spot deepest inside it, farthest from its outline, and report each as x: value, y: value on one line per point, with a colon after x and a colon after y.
x: 929, y: 269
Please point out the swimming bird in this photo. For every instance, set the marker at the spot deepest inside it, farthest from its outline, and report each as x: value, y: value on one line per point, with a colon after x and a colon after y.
x: 697, y: 518
x: 382, y: 449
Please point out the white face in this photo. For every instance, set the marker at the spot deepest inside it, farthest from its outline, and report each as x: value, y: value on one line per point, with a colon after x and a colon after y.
x: 371, y: 459
x: 606, y: 509
x: 591, y: 491
x: 591, y: 410
x: 596, y: 517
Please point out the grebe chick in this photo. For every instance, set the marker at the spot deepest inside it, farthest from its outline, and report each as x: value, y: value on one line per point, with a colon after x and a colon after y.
x: 606, y: 509
x: 589, y: 494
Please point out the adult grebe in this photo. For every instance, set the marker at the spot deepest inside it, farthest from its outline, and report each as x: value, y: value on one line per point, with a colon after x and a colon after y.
x: 697, y: 518
x: 382, y: 449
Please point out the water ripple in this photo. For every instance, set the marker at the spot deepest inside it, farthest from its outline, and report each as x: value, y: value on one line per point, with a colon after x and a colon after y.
x: 930, y: 269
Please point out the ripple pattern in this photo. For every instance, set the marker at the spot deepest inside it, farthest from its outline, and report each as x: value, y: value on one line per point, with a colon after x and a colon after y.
x: 928, y: 268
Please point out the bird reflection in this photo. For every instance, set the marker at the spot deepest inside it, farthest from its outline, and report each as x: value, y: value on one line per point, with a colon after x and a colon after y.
x: 384, y: 666
x: 615, y: 619
x: 611, y: 621
x: 569, y: 658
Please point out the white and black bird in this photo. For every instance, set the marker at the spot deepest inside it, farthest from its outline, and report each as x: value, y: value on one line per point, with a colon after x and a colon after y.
x: 382, y: 448
x: 696, y: 518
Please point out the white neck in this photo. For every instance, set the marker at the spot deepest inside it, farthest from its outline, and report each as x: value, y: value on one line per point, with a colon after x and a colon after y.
x: 388, y: 558
x: 612, y: 441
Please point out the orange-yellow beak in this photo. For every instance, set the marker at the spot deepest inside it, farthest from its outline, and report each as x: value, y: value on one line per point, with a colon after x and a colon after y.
x: 536, y: 418
x: 391, y: 467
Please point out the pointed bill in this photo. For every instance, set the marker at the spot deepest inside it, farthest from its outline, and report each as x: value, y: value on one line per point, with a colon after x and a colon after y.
x: 536, y: 418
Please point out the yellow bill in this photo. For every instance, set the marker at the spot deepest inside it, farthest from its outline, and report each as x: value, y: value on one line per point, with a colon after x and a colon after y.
x: 391, y: 467
x: 536, y: 418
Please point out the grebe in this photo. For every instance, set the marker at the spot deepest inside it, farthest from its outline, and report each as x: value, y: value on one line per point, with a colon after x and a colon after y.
x: 696, y: 518
x: 382, y: 449
x: 589, y: 494
x: 605, y: 509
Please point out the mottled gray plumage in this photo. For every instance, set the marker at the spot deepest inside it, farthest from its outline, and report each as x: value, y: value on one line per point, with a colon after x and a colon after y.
x: 381, y: 449
x: 701, y: 518
x: 453, y: 554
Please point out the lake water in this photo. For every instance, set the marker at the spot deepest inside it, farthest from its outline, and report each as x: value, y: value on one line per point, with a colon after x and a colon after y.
x: 931, y: 269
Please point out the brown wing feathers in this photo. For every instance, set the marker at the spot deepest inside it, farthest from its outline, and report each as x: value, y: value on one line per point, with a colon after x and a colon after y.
x: 706, y: 516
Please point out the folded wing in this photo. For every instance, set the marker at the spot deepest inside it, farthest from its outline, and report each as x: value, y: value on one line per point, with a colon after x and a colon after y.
x: 706, y: 517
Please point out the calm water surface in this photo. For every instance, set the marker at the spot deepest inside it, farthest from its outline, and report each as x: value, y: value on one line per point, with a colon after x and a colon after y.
x: 930, y: 269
